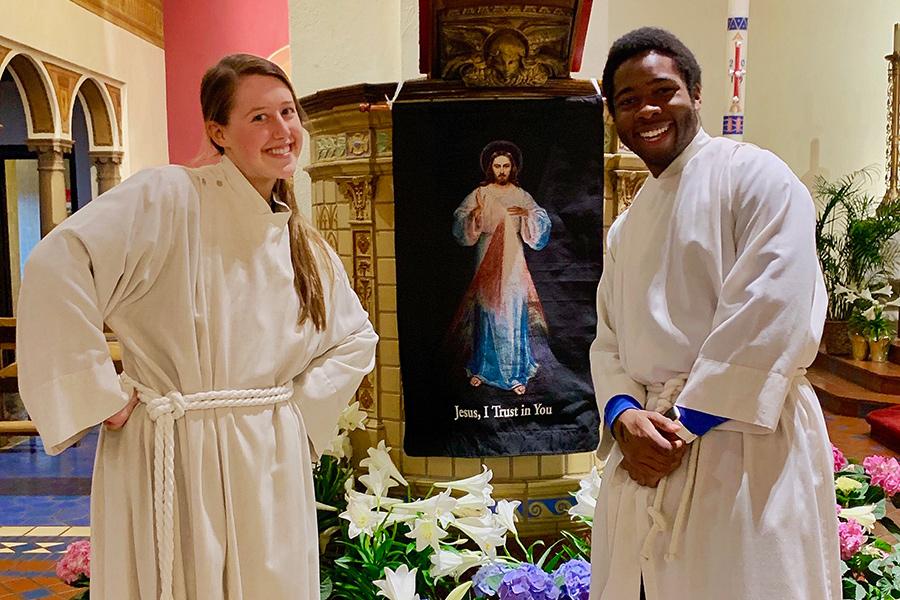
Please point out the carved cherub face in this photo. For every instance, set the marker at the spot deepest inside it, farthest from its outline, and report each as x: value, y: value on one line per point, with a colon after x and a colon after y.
x: 506, y: 55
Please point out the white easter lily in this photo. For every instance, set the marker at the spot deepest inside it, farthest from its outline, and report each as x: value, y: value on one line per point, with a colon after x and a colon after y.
x: 869, y: 313
x: 506, y: 514
x: 453, y: 563
x: 380, y: 460
x: 851, y: 293
x: 586, y: 496
x: 352, y: 418
x: 427, y: 533
x: 885, y: 290
x: 477, y: 485
x: 437, y: 507
x: 472, y: 505
x: 398, y: 585
x: 362, y: 517
x: 864, y: 515
x: 338, y: 446
x: 483, y: 531
x: 378, y: 482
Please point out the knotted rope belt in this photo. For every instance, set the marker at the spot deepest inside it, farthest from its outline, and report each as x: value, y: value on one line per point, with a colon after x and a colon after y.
x: 667, y: 393
x: 164, y: 410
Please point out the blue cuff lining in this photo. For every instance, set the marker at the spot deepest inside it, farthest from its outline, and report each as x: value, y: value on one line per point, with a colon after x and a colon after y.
x: 698, y: 422
x: 616, y: 406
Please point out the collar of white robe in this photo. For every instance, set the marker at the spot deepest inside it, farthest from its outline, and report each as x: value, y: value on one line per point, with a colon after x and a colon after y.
x: 164, y: 410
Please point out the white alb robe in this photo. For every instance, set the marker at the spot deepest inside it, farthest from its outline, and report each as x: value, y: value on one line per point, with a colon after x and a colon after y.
x: 712, y: 273
x: 192, y: 270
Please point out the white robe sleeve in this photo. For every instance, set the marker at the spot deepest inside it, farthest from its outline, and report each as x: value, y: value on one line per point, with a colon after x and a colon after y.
x: 107, y: 252
x: 607, y: 373
x: 346, y: 354
x: 771, y: 306
x: 466, y: 228
x: 536, y: 225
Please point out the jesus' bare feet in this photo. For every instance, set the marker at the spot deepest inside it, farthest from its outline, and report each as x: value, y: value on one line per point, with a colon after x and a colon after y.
x: 474, y: 381
x: 519, y: 389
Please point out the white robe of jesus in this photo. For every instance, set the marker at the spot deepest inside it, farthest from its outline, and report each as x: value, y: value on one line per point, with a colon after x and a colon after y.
x: 712, y: 274
x: 192, y: 271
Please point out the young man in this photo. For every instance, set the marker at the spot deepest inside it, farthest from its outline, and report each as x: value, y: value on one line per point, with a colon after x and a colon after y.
x: 711, y: 302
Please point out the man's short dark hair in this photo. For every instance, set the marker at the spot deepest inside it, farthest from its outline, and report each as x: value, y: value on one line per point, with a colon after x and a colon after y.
x: 646, y: 39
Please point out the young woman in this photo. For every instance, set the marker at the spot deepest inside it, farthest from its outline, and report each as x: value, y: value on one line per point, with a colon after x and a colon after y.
x: 241, y: 338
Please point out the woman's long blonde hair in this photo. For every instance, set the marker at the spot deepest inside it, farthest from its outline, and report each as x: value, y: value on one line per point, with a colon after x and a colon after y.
x: 216, y: 99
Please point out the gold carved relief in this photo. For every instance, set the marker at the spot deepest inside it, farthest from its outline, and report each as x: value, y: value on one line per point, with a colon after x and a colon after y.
x: 331, y: 147
x: 494, y: 46
x: 326, y: 217
x: 364, y: 273
x: 143, y: 18
x: 358, y: 144
x: 365, y: 393
x: 327, y: 223
x: 355, y: 144
x: 3, y: 52
x: 359, y: 192
x: 63, y: 81
x: 627, y: 183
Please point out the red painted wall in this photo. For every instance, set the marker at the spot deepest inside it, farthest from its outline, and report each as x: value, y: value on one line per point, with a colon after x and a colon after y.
x: 197, y: 34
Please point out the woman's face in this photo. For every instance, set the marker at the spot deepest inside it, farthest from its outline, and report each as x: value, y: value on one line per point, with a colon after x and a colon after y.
x: 262, y: 137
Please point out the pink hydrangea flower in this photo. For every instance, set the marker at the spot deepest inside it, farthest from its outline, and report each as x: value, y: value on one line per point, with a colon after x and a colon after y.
x: 852, y: 536
x: 75, y: 562
x: 840, y: 461
x: 885, y: 473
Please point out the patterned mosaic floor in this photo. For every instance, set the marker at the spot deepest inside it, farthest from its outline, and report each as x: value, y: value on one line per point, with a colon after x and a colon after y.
x: 45, y: 505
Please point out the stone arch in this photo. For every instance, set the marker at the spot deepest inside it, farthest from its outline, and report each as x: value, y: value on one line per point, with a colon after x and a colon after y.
x: 31, y: 78
x: 98, y: 109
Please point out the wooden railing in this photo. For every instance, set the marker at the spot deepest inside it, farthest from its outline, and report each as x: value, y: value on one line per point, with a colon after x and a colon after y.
x: 9, y: 380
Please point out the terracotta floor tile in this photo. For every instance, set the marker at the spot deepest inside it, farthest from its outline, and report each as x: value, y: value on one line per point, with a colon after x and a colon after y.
x: 20, y: 585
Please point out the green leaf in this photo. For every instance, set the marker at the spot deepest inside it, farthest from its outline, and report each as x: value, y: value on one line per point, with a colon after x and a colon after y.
x: 325, y: 587
x: 459, y: 591
x: 891, y: 527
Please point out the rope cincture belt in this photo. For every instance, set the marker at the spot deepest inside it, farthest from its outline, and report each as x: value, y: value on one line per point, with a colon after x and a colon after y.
x: 667, y: 393
x: 164, y: 410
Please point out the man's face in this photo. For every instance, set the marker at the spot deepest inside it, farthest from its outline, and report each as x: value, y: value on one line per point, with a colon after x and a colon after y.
x: 656, y: 115
x: 501, y: 166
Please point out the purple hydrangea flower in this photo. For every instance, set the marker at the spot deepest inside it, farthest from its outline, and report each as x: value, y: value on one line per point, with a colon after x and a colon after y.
x: 528, y: 582
x: 574, y: 579
x: 487, y: 579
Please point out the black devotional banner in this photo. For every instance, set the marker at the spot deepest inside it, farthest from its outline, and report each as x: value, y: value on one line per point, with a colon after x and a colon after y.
x: 499, y: 250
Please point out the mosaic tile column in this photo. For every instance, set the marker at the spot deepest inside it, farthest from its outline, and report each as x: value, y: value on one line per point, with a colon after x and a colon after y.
x: 353, y: 206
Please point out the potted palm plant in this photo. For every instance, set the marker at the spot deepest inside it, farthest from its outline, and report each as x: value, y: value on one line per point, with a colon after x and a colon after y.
x: 853, y: 241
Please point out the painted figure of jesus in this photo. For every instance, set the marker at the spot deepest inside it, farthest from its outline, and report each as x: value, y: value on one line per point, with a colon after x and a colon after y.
x: 501, y: 304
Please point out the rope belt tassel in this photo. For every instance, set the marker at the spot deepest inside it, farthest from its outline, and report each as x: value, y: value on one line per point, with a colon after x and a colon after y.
x: 164, y: 410
x: 667, y: 393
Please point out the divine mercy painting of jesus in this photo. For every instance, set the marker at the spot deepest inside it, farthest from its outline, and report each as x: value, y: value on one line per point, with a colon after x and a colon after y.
x: 498, y: 209
x: 500, y: 317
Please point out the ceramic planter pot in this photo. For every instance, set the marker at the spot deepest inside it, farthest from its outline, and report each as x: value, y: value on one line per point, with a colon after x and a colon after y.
x: 859, y: 346
x: 878, y: 349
